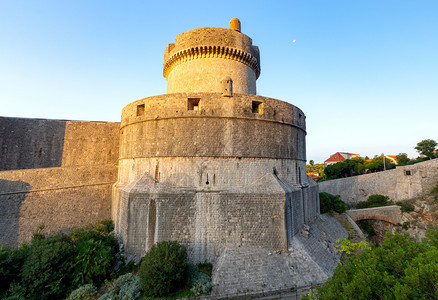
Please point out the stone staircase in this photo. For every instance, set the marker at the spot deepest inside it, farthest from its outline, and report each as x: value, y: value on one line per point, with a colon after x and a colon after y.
x: 353, y: 234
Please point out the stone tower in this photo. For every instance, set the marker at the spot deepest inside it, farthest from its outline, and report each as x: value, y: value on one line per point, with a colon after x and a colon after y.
x: 211, y: 164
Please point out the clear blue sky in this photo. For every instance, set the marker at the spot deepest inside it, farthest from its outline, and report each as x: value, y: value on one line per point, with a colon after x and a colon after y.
x: 364, y: 72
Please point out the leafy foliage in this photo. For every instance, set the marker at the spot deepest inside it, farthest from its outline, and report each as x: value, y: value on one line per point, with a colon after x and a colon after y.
x: 85, y: 292
x: 400, y: 268
x: 375, y: 200
x: 49, y: 268
x: 329, y: 202
x: 11, y: 261
x: 201, y: 284
x: 206, y: 268
x: 163, y: 268
x: 345, y: 245
x: 46, y: 271
x: 315, y: 168
x: 126, y: 286
x: 402, y: 159
x: 426, y: 147
x: 406, y: 205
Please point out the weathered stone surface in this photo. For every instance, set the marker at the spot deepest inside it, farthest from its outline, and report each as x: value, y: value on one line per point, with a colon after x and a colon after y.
x: 42, y: 143
x: 405, y: 182
x: 60, y: 198
x: 253, y: 270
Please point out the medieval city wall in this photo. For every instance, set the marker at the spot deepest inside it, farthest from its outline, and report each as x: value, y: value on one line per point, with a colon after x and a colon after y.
x: 404, y: 182
x: 42, y: 143
x: 60, y: 198
x: 56, y: 173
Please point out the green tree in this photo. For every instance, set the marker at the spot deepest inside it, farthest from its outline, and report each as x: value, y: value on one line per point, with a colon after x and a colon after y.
x: 400, y: 268
x: 426, y: 147
x: 402, y: 159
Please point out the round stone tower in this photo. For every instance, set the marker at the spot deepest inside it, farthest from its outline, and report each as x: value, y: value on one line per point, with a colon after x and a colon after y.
x: 211, y: 164
x: 200, y: 58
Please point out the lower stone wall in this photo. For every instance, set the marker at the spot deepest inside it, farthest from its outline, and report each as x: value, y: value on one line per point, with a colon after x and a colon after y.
x: 265, y: 214
x: 404, y: 182
x: 60, y: 198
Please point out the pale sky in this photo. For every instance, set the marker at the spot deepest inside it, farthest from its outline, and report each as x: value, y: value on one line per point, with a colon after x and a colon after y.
x: 365, y: 72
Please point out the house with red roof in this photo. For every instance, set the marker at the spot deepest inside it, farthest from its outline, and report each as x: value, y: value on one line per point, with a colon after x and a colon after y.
x: 339, y: 156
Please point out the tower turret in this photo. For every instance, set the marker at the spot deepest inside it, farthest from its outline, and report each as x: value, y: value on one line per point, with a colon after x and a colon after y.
x: 200, y: 58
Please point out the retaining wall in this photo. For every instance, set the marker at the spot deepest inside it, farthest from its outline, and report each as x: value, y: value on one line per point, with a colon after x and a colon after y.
x: 404, y: 182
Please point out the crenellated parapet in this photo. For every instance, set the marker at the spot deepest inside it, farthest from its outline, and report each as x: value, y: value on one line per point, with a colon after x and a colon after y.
x: 212, y: 52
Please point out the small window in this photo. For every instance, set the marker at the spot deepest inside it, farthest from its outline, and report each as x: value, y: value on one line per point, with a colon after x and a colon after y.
x: 408, y: 172
x: 257, y: 107
x: 193, y: 103
x: 140, y: 110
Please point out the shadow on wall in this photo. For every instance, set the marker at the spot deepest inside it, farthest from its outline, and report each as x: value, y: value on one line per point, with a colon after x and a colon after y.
x: 12, y: 196
x: 31, y: 143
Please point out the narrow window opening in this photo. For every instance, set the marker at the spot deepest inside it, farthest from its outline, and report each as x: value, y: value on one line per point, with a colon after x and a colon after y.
x: 257, y: 107
x: 193, y: 103
x: 408, y: 172
x: 140, y: 110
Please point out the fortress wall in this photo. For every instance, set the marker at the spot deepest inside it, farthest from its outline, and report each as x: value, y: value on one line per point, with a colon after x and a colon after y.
x: 42, y: 143
x: 31, y: 143
x: 358, y: 188
x: 423, y: 177
x: 60, y: 198
x: 396, y: 183
x: 90, y: 143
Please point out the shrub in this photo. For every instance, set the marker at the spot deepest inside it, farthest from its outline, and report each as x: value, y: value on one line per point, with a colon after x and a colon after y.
x: 201, y: 284
x: 206, y: 268
x: 85, y: 292
x: 96, y: 253
x: 375, y: 200
x: 46, y: 271
x: 11, y: 261
x: 329, y: 202
x: 400, y: 268
x: 127, y: 287
x: 338, y: 205
x: 163, y: 268
x: 406, y: 205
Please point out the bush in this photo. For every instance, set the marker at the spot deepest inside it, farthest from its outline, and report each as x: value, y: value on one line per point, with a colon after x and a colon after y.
x: 125, y: 287
x: 201, y: 284
x: 163, y: 268
x: 329, y: 202
x: 96, y: 253
x: 85, y: 292
x: 206, y: 268
x: 11, y: 261
x: 47, y: 269
x: 406, y: 205
x: 400, y: 268
x: 374, y: 201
